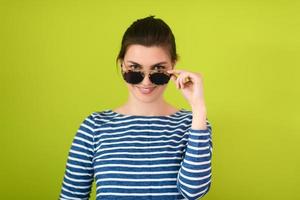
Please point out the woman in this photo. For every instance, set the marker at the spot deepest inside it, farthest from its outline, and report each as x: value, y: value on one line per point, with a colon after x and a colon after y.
x: 146, y: 148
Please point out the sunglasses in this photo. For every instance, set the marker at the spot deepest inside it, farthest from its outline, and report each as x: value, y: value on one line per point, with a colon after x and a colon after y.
x: 157, y: 77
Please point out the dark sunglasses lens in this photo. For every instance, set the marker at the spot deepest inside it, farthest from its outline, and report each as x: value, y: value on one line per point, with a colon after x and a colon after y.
x: 159, y: 78
x: 133, y: 77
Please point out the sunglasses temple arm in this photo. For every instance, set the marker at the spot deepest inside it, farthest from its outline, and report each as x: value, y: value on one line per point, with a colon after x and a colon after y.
x: 187, y: 79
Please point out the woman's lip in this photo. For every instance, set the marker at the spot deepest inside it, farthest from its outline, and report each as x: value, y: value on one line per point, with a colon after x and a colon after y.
x: 146, y: 90
x: 146, y: 87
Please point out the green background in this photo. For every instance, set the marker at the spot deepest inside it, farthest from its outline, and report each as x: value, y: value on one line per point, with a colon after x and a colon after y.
x: 57, y: 62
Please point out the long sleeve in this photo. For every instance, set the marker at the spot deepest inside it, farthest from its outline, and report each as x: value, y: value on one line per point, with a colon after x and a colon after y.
x: 79, y: 171
x: 194, y: 176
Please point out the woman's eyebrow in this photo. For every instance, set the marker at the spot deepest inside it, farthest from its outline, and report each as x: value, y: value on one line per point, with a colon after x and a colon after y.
x: 135, y: 63
x: 160, y: 63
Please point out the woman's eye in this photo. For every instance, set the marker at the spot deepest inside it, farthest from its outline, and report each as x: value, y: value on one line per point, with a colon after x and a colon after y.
x: 134, y: 67
x: 159, y: 67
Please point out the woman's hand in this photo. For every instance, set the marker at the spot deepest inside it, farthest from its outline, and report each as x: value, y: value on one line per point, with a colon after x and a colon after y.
x: 191, y: 86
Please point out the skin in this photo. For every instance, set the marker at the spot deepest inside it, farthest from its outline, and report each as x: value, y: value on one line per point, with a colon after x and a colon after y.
x: 153, y: 104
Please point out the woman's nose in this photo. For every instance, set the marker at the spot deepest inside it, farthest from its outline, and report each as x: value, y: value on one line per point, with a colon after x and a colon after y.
x: 146, y: 80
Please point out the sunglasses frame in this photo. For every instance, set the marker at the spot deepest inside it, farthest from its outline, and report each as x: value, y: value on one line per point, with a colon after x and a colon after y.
x: 143, y: 73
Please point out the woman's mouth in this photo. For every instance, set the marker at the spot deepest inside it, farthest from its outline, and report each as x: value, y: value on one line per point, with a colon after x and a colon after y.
x: 146, y: 90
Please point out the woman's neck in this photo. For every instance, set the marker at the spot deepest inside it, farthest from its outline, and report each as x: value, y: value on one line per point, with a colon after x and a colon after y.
x: 159, y: 108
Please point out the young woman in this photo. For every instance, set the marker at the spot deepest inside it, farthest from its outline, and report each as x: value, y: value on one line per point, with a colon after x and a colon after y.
x: 147, y: 148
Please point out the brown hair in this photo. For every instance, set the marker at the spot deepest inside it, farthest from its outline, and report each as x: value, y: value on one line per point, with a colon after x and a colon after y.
x: 148, y: 32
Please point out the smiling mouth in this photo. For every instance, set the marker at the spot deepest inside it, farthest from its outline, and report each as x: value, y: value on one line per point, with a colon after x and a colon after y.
x: 146, y: 90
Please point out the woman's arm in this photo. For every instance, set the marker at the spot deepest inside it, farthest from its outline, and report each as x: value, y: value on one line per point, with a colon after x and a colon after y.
x: 194, y: 176
x: 79, y: 171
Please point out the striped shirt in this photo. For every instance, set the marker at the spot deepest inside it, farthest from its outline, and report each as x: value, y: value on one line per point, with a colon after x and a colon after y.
x: 138, y: 157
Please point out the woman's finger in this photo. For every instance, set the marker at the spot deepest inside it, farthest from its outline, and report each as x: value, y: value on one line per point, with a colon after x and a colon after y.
x: 184, y: 78
x: 175, y: 79
x: 177, y: 72
x: 178, y: 82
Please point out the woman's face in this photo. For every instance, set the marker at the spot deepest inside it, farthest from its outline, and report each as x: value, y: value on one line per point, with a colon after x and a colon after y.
x: 138, y: 57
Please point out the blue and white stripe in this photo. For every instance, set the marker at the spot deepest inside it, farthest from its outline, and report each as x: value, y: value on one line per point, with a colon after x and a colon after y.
x: 138, y: 157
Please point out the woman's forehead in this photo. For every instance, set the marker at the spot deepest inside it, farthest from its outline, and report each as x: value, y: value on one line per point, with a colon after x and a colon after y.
x: 147, y: 55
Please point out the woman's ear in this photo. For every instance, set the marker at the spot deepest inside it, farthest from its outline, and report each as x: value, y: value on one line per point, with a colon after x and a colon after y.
x: 122, y: 67
x: 120, y: 63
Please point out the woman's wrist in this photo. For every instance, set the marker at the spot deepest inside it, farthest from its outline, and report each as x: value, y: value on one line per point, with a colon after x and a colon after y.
x: 199, y: 116
x: 199, y: 108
